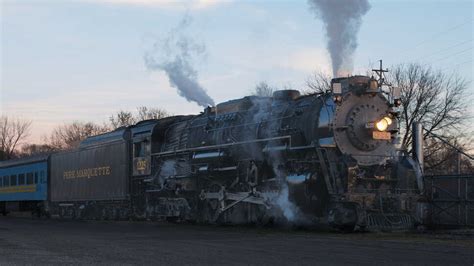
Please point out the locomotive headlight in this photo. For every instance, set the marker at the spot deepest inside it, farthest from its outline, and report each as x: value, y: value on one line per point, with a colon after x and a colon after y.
x: 382, y: 125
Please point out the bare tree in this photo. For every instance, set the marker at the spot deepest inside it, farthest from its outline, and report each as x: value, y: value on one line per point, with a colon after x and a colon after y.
x: 437, y: 100
x: 12, y: 133
x: 145, y: 113
x: 69, y: 136
x: 319, y: 82
x: 126, y: 118
x: 35, y: 149
x: 121, y: 119
x: 443, y: 159
x: 263, y: 89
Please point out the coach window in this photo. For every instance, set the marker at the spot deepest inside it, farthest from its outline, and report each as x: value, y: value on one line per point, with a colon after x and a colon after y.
x: 29, y: 178
x: 21, y: 179
x: 36, y: 177
x: 6, y: 181
x: 42, y: 177
x: 13, y: 180
x: 1, y: 181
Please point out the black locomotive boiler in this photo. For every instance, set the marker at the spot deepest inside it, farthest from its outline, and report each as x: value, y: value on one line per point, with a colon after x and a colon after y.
x: 327, y: 158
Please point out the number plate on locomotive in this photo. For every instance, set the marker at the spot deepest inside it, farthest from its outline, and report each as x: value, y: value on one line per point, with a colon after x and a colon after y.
x: 381, y: 135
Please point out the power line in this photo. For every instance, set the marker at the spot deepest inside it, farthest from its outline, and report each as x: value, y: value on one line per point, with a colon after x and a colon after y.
x: 442, y: 50
x: 445, y: 31
x: 437, y: 35
x: 456, y: 65
x: 450, y: 55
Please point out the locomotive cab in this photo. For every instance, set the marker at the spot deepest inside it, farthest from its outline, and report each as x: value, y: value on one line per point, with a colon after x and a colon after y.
x: 142, y: 146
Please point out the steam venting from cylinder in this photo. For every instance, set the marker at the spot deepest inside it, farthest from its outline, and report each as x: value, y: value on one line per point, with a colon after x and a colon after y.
x: 175, y: 55
x: 289, y: 209
x: 342, y: 20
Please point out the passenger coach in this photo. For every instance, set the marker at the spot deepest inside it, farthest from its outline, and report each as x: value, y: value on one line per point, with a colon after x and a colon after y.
x: 23, y: 184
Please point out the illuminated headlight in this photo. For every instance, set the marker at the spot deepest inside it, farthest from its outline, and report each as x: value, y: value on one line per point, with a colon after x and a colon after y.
x: 383, y: 123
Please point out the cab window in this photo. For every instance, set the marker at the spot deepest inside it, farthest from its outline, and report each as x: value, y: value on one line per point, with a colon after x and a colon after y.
x: 141, y: 149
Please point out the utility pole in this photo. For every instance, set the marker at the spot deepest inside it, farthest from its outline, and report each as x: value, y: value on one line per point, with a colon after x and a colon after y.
x: 380, y: 72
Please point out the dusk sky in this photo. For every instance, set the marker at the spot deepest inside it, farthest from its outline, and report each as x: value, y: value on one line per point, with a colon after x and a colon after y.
x: 64, y: 61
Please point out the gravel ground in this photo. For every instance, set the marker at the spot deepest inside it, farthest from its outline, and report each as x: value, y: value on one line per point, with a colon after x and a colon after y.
x: 26, y: 241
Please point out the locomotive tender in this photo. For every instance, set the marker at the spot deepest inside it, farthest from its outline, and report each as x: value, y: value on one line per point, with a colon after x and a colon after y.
x: 325, y: 158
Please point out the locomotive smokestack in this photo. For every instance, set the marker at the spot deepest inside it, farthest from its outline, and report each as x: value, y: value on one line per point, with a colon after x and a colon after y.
x: 175, y: 56
x: 342, y: 19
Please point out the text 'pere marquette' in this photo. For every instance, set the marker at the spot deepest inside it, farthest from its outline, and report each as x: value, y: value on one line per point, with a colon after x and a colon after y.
x: 87, y: 172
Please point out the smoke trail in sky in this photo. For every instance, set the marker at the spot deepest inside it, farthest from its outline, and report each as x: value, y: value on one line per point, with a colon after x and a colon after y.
x: 175, y: 55
x: 342, y: 20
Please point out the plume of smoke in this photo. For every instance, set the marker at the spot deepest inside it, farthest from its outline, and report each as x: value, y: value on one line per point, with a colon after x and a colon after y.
x: 342, y: 20
x: 175, y: 55
x: 289, y: 209
x: 262, y: 113
x: 167, y: 169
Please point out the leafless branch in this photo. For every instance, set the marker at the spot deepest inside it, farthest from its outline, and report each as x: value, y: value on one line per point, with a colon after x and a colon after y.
x: 12, y: 133
x: 318, y: 82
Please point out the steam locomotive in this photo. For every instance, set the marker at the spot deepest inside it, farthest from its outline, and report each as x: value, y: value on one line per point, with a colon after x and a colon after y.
x: 327, y: 158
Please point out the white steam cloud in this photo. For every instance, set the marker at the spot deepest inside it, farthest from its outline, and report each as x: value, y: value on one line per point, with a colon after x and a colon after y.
x: 342, y: 20
x: 291, y: 212
x: 175, y: 55
x: 262, y: 114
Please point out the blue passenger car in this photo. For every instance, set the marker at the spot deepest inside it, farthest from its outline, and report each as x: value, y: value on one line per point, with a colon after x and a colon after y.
x: 23, y: 183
